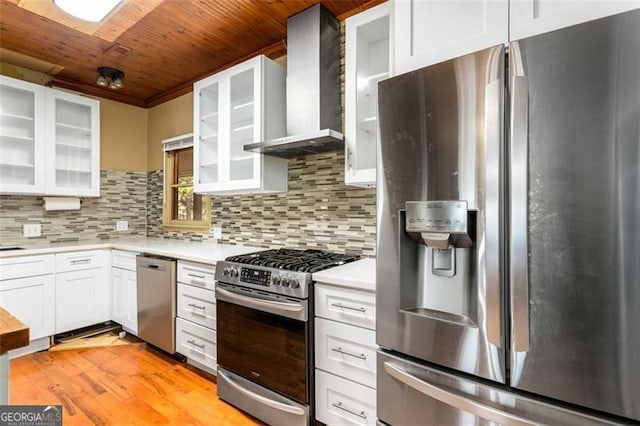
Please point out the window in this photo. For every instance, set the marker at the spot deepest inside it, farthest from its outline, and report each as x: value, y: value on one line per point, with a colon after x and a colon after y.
x: 183, y: 209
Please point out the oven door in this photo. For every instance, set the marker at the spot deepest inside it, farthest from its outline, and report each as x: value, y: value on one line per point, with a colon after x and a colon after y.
x: 264, y: 338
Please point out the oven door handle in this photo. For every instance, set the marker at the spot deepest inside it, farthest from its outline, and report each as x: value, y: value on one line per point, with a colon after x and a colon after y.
x: 261, y: 399
x: 287, y: 309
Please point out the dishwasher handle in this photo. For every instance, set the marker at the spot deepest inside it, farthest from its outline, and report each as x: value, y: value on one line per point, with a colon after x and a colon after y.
x: 153, y: 263
x: 153, y: 266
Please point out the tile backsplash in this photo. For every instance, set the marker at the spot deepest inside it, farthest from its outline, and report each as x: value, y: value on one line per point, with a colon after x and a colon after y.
x: 122, y: 197
x: 318, y: 211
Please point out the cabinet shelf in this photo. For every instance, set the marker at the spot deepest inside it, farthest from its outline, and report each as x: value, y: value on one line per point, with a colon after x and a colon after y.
x: 242, y: 105
x: 73, y: 128
x: 16, y: 139
x: 14, y: 117
x: 209, y: 137
x: 18, y: 166
x: 69, y: 170
x: 242, y: 128
x: 72, y: 146
x: 211, y: 119
x: 209, y: 165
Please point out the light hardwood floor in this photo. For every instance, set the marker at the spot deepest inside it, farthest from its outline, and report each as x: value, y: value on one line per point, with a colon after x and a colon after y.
x: 120, y: 385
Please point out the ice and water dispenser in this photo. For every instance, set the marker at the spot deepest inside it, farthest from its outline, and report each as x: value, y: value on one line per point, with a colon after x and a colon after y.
x: 437, y: 251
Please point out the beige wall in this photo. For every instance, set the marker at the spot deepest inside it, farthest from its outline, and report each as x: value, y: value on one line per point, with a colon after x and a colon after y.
x: 172, y: 118
x: 124, y: 131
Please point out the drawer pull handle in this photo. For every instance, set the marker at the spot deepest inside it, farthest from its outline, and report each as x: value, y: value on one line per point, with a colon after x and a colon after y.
x: 195, y: 276
x: 339, y: 405
x: 340, y: 350
x: 340, y: 305
x: 80, y: 261
x: 193, y: 305
x: 193, y: 342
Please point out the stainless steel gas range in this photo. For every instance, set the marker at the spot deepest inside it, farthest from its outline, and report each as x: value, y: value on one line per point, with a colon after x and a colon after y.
x: 265, y: 332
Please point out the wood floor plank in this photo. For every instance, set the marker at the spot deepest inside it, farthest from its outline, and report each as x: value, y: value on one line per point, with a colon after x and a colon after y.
x: 121, y: 385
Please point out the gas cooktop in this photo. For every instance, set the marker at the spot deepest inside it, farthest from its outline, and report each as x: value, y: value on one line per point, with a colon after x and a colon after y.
x: 282, y: 271
x: 294, y: 260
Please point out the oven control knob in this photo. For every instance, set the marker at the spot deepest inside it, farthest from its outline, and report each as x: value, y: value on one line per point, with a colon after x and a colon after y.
x: 234, y: 272
x: 276, y: 280
x: 226, y: 272
x: 285, y: 281
x: 294, y: 283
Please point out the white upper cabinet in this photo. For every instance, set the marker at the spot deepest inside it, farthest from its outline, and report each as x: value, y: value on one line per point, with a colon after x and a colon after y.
x: 73, y: 144
x: 235, y: 107
x: 532, y: 17
x: 431, y: 31
x: 22, y: 146
x: 367, y: 61
x: 49, y: 141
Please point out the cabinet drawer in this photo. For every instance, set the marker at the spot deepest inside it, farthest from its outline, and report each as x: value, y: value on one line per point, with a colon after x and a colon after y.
x: 81, y: 260
x: 197, y: 274
x: 28, y: 266
x: 346, y: 305
x: 196, y: 343
x: 346, y: 350
x: 123, y: 259
x: 342, y: 402
x: 197, y: 305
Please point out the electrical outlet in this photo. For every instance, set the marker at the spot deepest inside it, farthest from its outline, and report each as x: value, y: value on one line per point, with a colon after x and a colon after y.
x: 217, y: 232
x: 32, y: 230
x: 122, y: 225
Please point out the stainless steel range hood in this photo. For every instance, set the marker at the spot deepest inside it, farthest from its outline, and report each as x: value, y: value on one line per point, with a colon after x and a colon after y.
x: 314, y: 116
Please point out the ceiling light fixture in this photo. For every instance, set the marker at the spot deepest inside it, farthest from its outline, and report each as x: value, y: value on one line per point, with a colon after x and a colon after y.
x: 110, y: 77
x: 91, y: 11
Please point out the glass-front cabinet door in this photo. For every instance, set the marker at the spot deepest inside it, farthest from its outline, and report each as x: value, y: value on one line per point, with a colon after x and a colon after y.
x: 22, y: 155
x: 367, y: 63
x: 239, y: 106
x: 243, y: 125
x: 207, y: 133
x: 73, y: 144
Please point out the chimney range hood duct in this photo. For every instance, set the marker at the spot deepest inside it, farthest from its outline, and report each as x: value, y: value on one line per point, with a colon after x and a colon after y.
x: 314, y: 116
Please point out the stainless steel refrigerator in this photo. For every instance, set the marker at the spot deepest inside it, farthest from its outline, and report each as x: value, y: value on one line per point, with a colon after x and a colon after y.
x: 508, y: 252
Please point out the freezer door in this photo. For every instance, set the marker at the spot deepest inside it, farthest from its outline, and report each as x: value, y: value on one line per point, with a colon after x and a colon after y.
x: 441, y: 139
x: 575, y: 214
x: 414, y: 394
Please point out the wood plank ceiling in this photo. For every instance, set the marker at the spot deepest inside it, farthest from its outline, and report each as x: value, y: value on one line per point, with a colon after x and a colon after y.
x: 171, y: 44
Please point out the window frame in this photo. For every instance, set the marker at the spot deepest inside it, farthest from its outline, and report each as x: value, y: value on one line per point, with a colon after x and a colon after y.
x: 170, y: 166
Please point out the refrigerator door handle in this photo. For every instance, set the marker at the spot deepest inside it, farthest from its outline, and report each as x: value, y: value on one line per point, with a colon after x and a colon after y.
x: 454, y: 400
x: 519, y: 211
x: 493, y: 132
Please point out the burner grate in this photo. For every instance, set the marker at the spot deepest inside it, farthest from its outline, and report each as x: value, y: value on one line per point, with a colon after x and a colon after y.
x: 294, y: 260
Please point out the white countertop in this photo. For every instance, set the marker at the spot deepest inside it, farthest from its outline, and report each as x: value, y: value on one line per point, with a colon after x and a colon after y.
x: 360, y: 274
x: 196, y: 251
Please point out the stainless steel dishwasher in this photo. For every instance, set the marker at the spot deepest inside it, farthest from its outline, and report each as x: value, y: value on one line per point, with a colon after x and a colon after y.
x: 157, y: 301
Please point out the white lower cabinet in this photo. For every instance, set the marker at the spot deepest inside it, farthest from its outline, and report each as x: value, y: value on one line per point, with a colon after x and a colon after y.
x: 125, y: 296
x: 83, y: 289
x: 30, y: 300
x: 343, y: 402
x: 347, y: 351
x: 197, y: 305
x: 197, y: 343
x: 345, y: 354
x: 27, y: 291
x: 196, y: 315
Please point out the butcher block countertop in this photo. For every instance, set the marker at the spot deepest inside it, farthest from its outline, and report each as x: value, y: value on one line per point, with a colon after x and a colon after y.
x: 13, y: 333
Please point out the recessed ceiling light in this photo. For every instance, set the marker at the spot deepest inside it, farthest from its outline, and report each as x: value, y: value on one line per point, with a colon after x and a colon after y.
x: 92, y: 11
